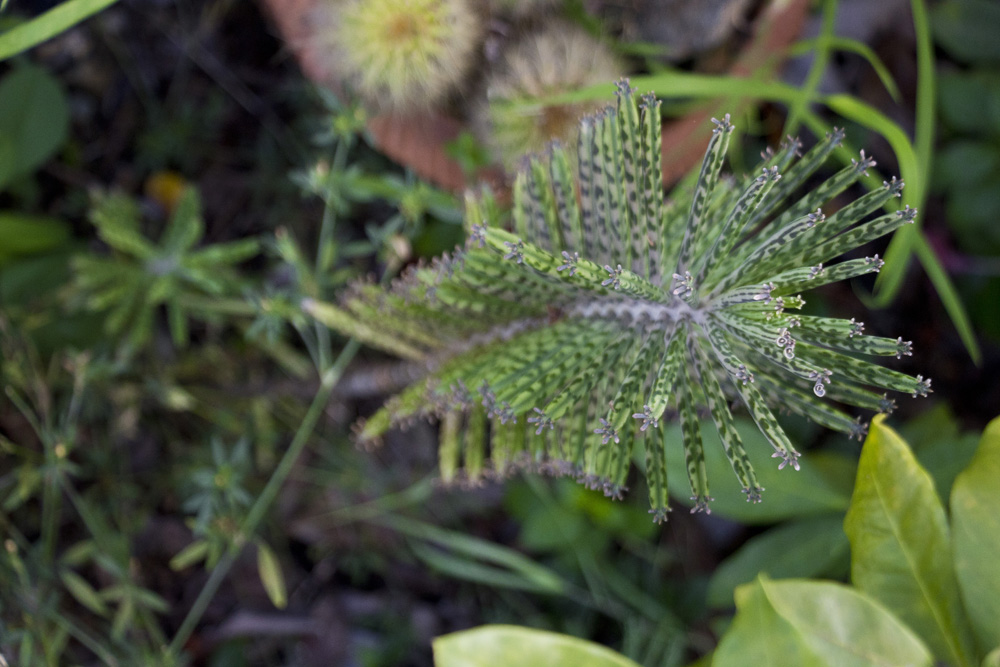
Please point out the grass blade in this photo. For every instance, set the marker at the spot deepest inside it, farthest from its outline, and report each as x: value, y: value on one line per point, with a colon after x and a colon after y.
x: 58, y: 19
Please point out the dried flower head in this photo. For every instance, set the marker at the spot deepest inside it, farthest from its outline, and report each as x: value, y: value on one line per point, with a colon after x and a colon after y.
x: 557, y: 59
x: 399, y: 54
x: 599, y: 313
x: 521, y: 8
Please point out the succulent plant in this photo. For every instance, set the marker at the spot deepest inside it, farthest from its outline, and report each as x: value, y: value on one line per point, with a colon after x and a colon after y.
x: 399, y: 55
x: 556, y: 59
x: 565, y: 342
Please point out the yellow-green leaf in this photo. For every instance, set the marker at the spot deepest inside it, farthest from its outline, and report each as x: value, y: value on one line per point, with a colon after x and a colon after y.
x: 491, y: 645
x: 975, y: 500
x: 814, y: 624
x: 189, y: 555
x: 83, y: 592
x: 271, y: 576
x: 901, y: 547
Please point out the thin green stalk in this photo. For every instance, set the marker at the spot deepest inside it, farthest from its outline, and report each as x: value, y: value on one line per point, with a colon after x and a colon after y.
x: 266, y: 497
x: 219, y: 306
x: 367, y: 511
x: 904, y: 243
x: 325, y: 255
x: 86, y: 639
x: 858, y: 48
x: 821, y: 57
x: 50, y: 506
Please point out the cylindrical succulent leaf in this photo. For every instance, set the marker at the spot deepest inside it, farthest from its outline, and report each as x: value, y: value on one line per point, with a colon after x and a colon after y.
x: 606, y: 308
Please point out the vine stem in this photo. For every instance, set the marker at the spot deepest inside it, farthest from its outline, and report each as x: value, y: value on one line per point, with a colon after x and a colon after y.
x: 266, y: 498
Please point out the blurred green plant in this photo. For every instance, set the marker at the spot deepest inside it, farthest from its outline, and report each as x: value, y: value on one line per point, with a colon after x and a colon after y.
x: 50, y: 597
x: 925, y: 590
x: 141, y: 276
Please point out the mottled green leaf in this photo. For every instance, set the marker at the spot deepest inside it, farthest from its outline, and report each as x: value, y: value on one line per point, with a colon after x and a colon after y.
x: 814, y: 624
x: 492, y: 645
x: 901, y: 547
x: 975, y: 501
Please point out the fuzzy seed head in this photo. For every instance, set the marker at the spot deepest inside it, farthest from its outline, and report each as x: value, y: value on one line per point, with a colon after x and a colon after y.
x: 558, y: 59
x: 399, y: 55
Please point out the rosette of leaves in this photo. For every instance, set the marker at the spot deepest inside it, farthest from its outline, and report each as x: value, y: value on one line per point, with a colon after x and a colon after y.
x: 140, y: 276
x: 563, y: 344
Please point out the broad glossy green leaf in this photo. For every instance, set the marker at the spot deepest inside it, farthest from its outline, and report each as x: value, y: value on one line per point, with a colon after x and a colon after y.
x: 940, y: 447
x: 788, y: 493
x: 34, y: 117
x: 901, y: 548
x: 975, y: 501
x: 967, y: 29
x: 814, y: 624
x: 965, y: 162
x: 992, y: 659
x: 968, y: 101
x: 492, y: 645
x: 806, y: 548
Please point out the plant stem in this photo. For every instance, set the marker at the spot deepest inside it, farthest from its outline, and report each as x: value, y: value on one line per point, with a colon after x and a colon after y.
x: 821, y: 58
x: 266, y: 497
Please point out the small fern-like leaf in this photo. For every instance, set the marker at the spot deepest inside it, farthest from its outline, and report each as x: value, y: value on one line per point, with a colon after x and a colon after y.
x: 564, y: 343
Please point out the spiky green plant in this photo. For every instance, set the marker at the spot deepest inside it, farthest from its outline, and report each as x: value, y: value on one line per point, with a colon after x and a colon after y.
x: 562, y: 344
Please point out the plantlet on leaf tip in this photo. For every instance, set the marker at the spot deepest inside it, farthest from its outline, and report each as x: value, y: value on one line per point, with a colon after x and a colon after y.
x: 601, y: 312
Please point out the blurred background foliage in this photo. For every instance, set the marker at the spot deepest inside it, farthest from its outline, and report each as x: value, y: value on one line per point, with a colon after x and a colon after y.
x: 177, y: 480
